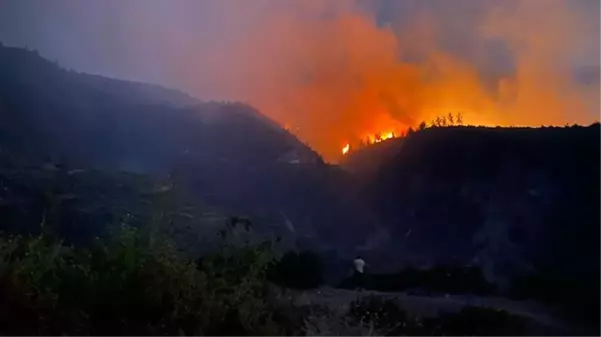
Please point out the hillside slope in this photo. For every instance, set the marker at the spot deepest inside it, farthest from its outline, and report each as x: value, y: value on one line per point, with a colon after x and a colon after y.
x: 522, y: 203
x: 225, y: 154
x: 92, y: 120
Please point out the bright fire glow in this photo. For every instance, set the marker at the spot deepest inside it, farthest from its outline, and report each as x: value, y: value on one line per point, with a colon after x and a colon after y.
x: 346, y: 148
x: 372, y: 139
x: 335, y: 72
x: 379, y: 137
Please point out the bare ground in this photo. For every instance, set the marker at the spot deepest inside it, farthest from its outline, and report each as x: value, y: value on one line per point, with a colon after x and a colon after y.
x: 338, y: 301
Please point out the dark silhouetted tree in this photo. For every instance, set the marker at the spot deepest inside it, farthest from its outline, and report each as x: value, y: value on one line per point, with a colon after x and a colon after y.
x: 422, y: 126
x: 459, y: 118
x: 451, y: 119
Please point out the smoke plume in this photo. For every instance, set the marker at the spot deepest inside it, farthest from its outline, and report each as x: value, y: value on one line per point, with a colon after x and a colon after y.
x: 338, y: 70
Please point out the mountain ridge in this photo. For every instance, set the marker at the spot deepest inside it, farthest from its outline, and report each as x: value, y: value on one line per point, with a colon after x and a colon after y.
x: 226, y: 152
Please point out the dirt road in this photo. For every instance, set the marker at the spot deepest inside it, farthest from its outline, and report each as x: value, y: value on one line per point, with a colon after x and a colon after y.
x: 339, y: 300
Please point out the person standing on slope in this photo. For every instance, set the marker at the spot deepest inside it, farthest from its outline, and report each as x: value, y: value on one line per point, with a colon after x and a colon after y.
x: 359, y: 273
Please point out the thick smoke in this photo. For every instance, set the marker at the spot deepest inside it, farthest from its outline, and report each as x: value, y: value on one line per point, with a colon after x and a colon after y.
x: 336, y: 70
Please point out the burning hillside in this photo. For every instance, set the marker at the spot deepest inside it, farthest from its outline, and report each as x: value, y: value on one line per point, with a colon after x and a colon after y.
x: 337, y: 74
x: 450, y: 119
x: 371, y: 139
x: 338, y: 70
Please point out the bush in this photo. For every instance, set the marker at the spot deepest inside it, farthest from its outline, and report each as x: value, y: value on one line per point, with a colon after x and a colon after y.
x: 384, y: 315
x: 389, y: 319
x: 294, y: 270
x: 333, y: 326
x: 130, y: 285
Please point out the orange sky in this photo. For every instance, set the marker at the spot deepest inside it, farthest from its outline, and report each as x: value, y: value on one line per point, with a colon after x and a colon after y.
x: 329, y: 69
x: 338, y: 78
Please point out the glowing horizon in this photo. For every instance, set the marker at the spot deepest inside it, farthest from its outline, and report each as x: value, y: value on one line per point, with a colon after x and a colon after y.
x: 338, y: 70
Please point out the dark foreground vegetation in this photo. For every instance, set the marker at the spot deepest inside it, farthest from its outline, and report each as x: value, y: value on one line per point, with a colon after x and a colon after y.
x: 389, y: 319
x: 135, y: 283
x: 132, y: 284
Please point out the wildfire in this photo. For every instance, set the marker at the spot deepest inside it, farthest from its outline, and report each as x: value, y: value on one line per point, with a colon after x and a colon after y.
x: 371, y: 139
x: 346, y: 149
x: 379, y: 137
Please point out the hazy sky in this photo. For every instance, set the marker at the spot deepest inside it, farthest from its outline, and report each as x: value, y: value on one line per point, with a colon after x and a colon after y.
x: 337, y: 69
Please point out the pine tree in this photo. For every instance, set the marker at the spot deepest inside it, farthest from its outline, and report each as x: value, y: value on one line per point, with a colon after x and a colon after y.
x: 459, y: 119
x: 451, y: 119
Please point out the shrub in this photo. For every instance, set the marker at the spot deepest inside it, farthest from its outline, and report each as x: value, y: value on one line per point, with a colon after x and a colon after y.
x: 129, y: 285
x: 302, y: 270
x: 383, y: 314
x: 29, y: 271
x: 387, y: 318
x: 331, y: 324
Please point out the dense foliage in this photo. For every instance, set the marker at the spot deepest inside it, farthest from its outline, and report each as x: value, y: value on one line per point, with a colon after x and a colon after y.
x: 384, y: 314
x: 131, y: 284
x: 134, y: 284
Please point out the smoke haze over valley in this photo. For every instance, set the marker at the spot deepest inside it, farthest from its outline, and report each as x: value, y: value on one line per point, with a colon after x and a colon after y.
x: 336, y: 71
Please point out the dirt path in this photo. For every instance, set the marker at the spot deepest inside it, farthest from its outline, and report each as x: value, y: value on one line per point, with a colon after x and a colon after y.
x: 339, y: 300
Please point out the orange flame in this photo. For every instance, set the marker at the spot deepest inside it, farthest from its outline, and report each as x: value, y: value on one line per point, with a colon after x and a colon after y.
x: 379, y: 137
x: 346, y: 148
x: 372, y: 139
x: 331, y: 68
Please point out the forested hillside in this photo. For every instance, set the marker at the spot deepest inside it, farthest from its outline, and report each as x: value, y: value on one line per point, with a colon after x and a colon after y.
x: 222, y: 153
x: 521, y: 203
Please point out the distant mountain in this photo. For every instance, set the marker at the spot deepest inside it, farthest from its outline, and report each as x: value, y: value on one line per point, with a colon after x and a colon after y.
x: 224, y: 153
x: 88, y: 119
